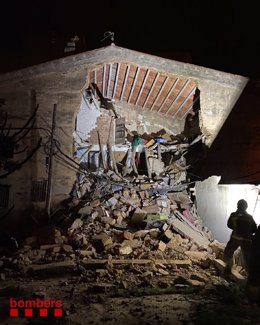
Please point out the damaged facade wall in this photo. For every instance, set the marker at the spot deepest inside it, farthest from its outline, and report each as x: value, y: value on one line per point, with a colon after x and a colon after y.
x: 61, y: 81
x: 235, y: 153
x: 214, y: 112
x: 215, y: 202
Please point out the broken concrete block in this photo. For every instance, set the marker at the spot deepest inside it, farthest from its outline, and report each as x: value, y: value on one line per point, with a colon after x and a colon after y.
x: 150, y: 143
x: 128, y: 235
x: 86, y: 210
x: 172, y: 243
x: 141, y: 233
x: 161, y: 246
x: 138, y: 217
x: 154, y: 233
x: 165, y: 227
x: 125, y: 250
x: 207, y: 262
x: 145, y: 186
x: 95, y: 214
x: 117, y: 213
x: 195, y: 255
x: 151, y: 208
x: 196, y: 283
x: 194, y: 247
x: 119, y: 220
x: 182, y: 263
x: 163, y: 272
x: 103, y: 238
x: 219, y: 265
x: 67, y: 249
x: 76, y: 224
x: 95, y: 203
x: 199, y: 277
x: 168, y: 234
x: 156, y: 216
x: 134, y: 243
x: 180, y: 249
x: 108, y: 220
x: 112, y: 201
x: 189, y: 231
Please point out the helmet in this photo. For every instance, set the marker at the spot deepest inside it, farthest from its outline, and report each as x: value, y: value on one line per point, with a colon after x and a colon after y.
x: 242, y: 204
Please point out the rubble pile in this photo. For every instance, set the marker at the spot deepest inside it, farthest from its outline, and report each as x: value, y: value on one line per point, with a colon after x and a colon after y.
x: 124, y: 228
x: 137, y: 235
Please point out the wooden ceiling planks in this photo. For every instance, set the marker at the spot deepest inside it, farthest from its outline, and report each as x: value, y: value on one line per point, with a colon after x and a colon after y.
x: 148, y: 89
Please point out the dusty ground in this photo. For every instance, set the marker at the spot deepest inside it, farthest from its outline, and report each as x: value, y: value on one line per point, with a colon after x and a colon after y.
x: 101, y: 303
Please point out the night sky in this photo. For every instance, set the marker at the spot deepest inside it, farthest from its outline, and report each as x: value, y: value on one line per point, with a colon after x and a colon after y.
x: 220, y: 35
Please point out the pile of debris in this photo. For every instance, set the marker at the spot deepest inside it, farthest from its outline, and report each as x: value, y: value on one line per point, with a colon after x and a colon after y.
x: 137, y: 234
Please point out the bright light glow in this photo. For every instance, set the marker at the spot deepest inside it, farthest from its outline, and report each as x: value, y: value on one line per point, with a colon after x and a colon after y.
x: 256, y: 212
x: 215, y: 202
x: 248, y: 193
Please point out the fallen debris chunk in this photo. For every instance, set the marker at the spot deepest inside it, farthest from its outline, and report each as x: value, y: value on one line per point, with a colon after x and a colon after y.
x: 189, y: 232
x: 51, y: 268
x: 138, y: 217
x: 125, y: 250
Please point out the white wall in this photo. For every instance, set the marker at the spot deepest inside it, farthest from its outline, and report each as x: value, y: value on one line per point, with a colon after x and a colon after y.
x: 215, y: 203
x: 86, y: 119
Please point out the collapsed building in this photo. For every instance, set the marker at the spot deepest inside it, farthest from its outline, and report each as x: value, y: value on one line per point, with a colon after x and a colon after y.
x: 112, y: 136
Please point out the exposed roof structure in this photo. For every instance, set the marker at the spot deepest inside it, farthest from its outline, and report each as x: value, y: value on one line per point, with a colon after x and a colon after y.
x: 149, y: 82
x: 151, y: 90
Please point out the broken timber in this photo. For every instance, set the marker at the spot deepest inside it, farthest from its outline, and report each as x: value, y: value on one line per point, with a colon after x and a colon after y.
x: 94, y: 263
x: 51, y: 268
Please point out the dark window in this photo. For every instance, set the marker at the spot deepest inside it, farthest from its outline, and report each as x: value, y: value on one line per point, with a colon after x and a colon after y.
x: 4, y: 196
x: 93, y: 160
x: 120, y: 131
x: 38, y: 191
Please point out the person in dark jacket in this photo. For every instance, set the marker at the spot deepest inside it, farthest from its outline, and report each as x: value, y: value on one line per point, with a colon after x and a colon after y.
x: 243, y: 226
